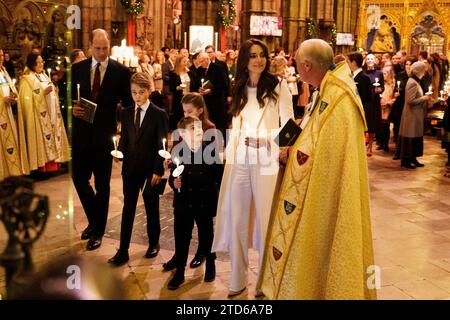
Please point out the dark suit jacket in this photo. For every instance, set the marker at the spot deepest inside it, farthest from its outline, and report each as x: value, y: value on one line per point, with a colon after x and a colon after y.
x: 115, y: 86
x: 200, y: 183
x: 364, y: 89
x: 141, y: 158
x: 166, y: 68
x: 216, y: 101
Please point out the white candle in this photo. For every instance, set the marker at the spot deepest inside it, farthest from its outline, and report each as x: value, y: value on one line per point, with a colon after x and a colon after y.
x: 376, y: 80
x: 429, y: 89
x: 398, y: 85
x: 164, y: 144
x: 203, y: 81
x: 14, y: 81
x: 115, y: 143
x: 185, y: 39
x: 78, y: 91
x: 49, y: 73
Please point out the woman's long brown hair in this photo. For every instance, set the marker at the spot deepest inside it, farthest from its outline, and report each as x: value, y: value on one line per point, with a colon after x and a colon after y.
x: 266, y: 84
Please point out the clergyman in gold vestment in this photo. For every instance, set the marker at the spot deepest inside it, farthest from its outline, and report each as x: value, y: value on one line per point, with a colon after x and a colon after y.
x: 319, y: 242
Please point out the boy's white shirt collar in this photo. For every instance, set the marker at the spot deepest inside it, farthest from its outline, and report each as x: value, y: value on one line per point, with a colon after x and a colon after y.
x: 144, y: 107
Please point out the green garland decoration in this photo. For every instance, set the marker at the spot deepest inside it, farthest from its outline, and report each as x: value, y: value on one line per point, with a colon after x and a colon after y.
x: 226, y: 21
x: 311, y: 31
x: 333, y: 35
x: 133, y: 9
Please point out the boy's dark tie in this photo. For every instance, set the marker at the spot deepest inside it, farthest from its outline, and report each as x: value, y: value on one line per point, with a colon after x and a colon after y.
x: 137, y: 122
x: 96, y: 86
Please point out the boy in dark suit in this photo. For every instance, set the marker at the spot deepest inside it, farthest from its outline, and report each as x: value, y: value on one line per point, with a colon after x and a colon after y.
x: 196, y: 194
x: 143, y: 128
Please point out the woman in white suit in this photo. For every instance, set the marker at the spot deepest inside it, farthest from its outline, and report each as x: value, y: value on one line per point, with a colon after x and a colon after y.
x: 261, y: 104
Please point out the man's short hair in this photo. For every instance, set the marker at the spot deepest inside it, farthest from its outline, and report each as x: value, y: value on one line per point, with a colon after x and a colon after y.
x: 98, y: 32
x: 74, y: 54
x: 141, y: 79
x: 209, y: 46
x: 357, y: 57
x: 318, y: 52
x: 423, y: 54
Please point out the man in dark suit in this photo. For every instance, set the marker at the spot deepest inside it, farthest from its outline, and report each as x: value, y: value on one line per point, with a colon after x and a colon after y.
x: 105, y: 82
x: 143, y: 130
x: 362, y: 81
x: 214, y: 92
x: 211, y: 51
x: 166, y: 69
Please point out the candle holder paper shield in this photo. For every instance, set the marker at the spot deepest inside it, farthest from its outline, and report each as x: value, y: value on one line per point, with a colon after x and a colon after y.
x: 178, y: 171
x: 429, y: 93
x: 164, y: 154
x: 376, y: 84
x: 117, y: 154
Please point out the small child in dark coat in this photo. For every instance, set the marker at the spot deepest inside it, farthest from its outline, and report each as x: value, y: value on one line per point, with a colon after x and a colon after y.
x: 196, y: 193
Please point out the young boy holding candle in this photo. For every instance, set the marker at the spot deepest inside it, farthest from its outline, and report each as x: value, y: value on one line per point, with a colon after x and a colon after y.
x: 143, y: 129
x: 196, y: 192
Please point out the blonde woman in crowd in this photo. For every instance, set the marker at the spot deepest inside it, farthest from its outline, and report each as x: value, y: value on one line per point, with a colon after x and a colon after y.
x: 145, y: 67
x: 157, y: 68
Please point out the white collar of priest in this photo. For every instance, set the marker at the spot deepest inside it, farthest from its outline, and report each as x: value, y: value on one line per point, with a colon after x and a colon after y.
x: 144, y: 107
x: 104, y: 63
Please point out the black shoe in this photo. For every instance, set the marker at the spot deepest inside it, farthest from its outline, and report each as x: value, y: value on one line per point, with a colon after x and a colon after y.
x: 152, y: 251
x: 418, y: 164
x: 87, y: 233
x: 120, y: 258
x: 94, y: 243
x: 210, y: 272
x: 408, y: 165
x: 177, y: 280
x: 197, y: 261
x: 170, y: 265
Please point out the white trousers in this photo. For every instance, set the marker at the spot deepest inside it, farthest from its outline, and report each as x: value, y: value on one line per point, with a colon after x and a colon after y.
x: 249, y: 190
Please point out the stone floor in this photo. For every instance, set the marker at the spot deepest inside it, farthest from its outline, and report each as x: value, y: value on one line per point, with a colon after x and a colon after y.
x: 410, y: 221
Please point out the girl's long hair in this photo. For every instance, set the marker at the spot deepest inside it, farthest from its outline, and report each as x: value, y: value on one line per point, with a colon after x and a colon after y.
x: 266, y: 84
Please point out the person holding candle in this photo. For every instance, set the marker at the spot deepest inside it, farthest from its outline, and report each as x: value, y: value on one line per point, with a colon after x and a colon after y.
x: 397, y: 109
x: 13, y: 148
x: 181, y: 81
x: 412, y: 122
x: 387, y: 100
x: 143, y: 129
x: 46, y: 136
x: 373, y: 116
x: 261, y: 105
x: 194, y: 106
x: 105, y: 82
x: 195, y: 199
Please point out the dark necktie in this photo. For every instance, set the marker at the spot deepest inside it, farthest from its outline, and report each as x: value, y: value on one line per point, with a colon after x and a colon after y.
x: 96, y: 86
x: 137, y: 122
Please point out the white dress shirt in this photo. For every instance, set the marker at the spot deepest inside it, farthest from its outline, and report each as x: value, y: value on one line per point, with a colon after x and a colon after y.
x: 103, y: 66
x: 144, y: 108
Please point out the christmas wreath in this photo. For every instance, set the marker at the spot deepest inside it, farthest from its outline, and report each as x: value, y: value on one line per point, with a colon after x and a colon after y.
x: 133, y: 9
x: 226, y: 21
